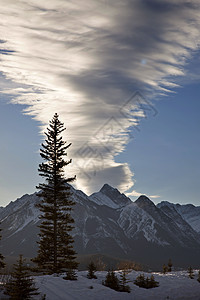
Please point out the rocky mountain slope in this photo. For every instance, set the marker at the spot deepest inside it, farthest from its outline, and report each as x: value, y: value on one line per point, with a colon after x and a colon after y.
x: 108, y: 222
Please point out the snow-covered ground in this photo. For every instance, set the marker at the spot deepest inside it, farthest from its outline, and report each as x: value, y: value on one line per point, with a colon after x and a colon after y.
x: 172, y: 286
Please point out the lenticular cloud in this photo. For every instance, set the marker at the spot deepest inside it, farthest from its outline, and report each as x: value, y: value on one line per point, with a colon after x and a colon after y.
x: 97, y: 65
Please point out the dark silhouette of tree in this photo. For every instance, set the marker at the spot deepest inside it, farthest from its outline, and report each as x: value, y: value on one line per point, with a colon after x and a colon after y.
x: 21, y: 285
x: 71, y: 274
x: 140, y: 280
x: 169, y: 265
x: 91, y: 270
x: 123, y: 282
x: 147, y: 282
x: 190, y: 273
x: 152, y: 282
x: 56, y: 253
x: 165, y: 269
x: 198, y: 279
x: 2, y: 264
x: 111, y: 281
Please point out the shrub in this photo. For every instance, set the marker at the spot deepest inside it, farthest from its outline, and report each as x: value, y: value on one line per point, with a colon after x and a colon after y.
x: 147, y: 282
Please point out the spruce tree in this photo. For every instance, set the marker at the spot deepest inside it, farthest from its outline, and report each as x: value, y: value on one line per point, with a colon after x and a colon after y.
x: 21, y: 285
x: 165, y: 269
x: 2, y: 264
x: 153, y: 283
x: 140, y: 280
x: 123, y: 282
x: 147, y: 282
x: 56, y: 252
x: 91, y: 270
x: 169, y: 265
x: 111, y: 281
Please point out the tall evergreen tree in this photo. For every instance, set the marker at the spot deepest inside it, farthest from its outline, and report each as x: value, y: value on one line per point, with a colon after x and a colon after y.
x: 21, y: 285
x: 56, y: 252
x: 2, y: 264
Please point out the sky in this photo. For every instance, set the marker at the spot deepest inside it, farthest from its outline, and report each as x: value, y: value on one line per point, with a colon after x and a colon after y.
x: 123, y: 77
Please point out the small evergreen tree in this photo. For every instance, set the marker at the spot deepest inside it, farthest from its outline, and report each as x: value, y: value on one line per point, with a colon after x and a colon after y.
x: 111, y: 281
x: 147, y: 282
x: 140, y: 280
x: 190, y: 273
x: 123, y: 282
x: 56, y: 252
x: 21, y: 285
x: 165, y: 269
x: 153, y: 283
x: 198, y: 279
x: 2, y: 264
x: 91, y: 270
x: 170, y: 265
x: 70, y: 274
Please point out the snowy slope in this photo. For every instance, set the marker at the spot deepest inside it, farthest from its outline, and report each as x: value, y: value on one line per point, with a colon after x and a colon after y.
x: 174, y: 285
x: 20, y: 213
x: 134, y: 220
x: 189, y: 212
x: 170, y: 224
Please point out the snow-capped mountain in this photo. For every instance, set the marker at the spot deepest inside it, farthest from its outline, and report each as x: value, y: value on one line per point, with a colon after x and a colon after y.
x: 188, y: 212
x: 111, y: 197
x: 108, y: 222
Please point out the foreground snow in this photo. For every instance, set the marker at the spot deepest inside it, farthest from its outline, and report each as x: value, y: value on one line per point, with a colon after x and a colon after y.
x: 174, y: 285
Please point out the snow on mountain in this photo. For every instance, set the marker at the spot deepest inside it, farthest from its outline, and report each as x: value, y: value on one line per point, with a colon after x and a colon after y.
x: 20, y: 213
x: 134, y: 220
x: 109, y: 223
x: 189, y: 212
x: 110, y: 196
x: 176, y: 229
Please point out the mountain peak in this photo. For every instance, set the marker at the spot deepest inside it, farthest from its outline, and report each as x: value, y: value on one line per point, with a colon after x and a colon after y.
x: 106, y: 187
x: 144, y: 201
x: 110, y: 196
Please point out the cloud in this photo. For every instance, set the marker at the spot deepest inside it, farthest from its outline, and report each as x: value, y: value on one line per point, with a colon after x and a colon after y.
x: 86, y: 61
x: 137, y: 194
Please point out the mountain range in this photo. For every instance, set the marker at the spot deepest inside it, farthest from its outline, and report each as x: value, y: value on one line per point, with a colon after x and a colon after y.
x: 109, y: 223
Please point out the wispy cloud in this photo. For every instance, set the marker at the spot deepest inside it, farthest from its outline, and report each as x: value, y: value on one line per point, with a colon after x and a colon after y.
x: 137, y: 194
x: 83, y: 61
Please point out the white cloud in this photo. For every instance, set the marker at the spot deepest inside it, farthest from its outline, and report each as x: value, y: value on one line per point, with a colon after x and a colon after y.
x: 137, y: 194
x: 83, y: 61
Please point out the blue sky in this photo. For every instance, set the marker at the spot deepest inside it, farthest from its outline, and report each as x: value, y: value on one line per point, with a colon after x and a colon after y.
x: 85, y: 63
x: 165, y: 155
